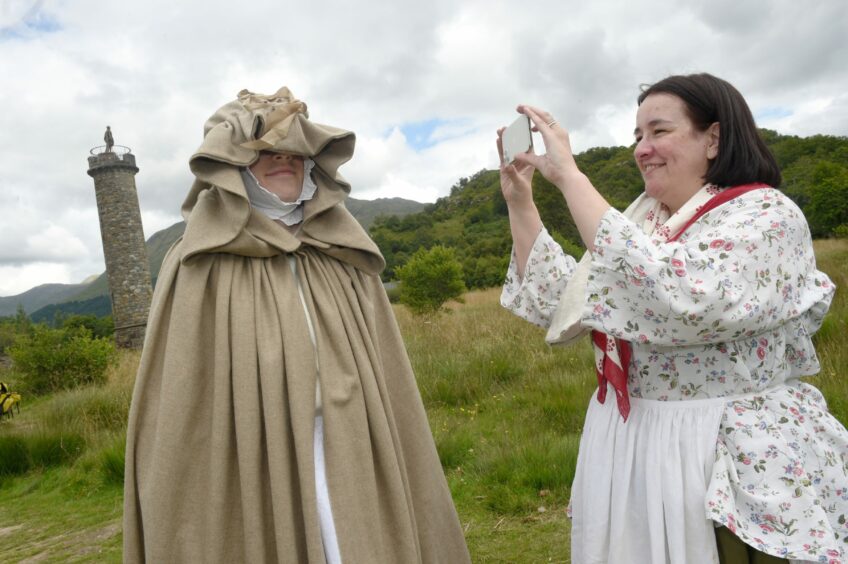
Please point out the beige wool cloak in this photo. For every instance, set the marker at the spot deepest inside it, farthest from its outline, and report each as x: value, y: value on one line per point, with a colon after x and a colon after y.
x: 219, y: 462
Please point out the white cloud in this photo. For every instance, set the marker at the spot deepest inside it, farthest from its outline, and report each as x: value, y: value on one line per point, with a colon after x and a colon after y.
x: 156, y: 70
x: 57, y: 244
x: 18, y: 279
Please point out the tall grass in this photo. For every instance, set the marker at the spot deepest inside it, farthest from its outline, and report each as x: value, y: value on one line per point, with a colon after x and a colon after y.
x: 62, y: 470
x: 832, y: 339
x: 59, y: 429
x: 505, y: 409
x: 506, y: 412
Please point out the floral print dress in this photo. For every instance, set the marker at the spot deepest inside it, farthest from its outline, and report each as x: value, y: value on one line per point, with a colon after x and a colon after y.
x: 722, y: 430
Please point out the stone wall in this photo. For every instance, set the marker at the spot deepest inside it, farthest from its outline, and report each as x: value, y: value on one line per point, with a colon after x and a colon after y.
x: 127, y: 266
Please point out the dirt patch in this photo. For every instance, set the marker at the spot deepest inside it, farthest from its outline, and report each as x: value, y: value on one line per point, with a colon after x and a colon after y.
x: 108, y: 531
x: 41, y: 557
x: 89, y: 542
x: 68, y: 545
x: 9, y: 530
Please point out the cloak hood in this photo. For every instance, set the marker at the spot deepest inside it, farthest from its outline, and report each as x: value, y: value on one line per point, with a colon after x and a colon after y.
x: 217, y: 211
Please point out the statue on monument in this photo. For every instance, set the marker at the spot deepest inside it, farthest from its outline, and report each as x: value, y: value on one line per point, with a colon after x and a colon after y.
x: 110, y: 141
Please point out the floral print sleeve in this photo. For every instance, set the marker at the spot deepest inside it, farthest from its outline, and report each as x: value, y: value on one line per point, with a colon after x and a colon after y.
x: 534, y: 296
x: 742, y: 269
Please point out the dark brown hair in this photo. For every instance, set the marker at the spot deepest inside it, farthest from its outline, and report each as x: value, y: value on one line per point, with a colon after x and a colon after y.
x: 743, y: 156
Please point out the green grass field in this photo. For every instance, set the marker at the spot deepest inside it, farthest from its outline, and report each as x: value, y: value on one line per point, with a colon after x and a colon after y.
x: 505, y: 409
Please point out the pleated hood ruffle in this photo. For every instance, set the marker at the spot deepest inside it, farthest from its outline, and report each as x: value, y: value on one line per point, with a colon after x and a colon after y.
x: 218, y: 215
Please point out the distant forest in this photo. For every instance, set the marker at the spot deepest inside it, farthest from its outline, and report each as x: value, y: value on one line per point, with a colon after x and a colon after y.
x: 473, y: 218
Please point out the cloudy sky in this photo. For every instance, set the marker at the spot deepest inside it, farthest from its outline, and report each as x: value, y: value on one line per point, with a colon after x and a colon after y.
x: 423, y: 84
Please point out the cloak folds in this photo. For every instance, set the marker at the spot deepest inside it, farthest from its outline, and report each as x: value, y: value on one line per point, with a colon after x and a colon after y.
x: 219, y: 464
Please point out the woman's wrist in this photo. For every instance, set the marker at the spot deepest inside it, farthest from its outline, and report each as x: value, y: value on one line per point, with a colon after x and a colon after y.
x: 570, y: 180
x: 520, y: 208
x: 524, y: 221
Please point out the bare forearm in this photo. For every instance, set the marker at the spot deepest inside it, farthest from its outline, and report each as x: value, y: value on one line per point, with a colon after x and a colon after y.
x: 585, y: 203
x: 525, y: 225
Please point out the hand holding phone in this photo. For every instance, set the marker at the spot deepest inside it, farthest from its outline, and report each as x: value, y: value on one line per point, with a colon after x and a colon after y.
x: 516, y: 138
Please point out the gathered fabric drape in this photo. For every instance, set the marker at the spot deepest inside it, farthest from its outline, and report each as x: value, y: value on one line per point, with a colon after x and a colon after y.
x: 220, y: 444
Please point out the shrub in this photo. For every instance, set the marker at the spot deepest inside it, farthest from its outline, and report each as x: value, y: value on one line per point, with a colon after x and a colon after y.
x: 12, y: 327
x: 100, y: 327
x: 7, y: 335
x: 392, y: 291
x: 54, y: 359
x: 430, y: 278
x: 21, y: 453
x: 828, y: 205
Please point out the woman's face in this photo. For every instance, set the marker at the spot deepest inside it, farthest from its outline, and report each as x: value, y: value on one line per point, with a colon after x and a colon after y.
x: 671, y: 153
x: 280, y: 173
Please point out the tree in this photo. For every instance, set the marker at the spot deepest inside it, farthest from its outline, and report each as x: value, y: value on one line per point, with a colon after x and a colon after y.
x: 100, y: 327
x: 23, y: 324
x: 430, y: 278
x: 828, y: 205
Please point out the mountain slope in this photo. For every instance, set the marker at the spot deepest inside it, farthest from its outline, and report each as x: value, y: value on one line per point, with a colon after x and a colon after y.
x: 474, y: 221
x: 366, y: 211
x: 39, y: 297
x: 83, y: 298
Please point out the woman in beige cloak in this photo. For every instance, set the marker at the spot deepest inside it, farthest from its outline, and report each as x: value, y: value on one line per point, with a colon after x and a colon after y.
x: 275, y: 417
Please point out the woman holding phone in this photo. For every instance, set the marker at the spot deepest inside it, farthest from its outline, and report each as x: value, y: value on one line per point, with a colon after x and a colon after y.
x: 701, y: 444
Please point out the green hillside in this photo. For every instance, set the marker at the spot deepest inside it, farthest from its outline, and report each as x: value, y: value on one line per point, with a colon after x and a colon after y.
x: 101, y: 306
x: 46, y: 302
x: 38, y: 297
x: 366, y: 211
x: 473, y: 218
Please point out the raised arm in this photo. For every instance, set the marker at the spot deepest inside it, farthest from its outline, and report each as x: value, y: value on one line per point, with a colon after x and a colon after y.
x: 524, y: 220
x: 585, y: 203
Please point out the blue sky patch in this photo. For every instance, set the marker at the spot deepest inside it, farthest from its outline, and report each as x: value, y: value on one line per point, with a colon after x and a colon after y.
x: 41, y: 22
x: 424, y: 134
x: 32, y: 23
x: 772, y: 112
x: 419, y: 134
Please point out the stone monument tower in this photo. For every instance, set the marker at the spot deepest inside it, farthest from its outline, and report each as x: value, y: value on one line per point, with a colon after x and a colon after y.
x: 127, y: 267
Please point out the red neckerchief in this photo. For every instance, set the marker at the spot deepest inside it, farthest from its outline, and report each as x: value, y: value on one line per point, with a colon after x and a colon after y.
x: 612, y: 372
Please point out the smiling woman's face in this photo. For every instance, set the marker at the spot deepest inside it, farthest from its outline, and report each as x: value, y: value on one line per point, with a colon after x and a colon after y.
x: 672, y: 154
x: 280, y: 173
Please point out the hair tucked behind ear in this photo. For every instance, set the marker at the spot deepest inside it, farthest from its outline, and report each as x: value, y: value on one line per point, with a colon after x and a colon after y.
x: 743, y: 156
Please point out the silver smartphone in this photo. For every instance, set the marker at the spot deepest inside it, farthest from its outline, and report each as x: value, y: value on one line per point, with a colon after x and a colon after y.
x: 517, y: 138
